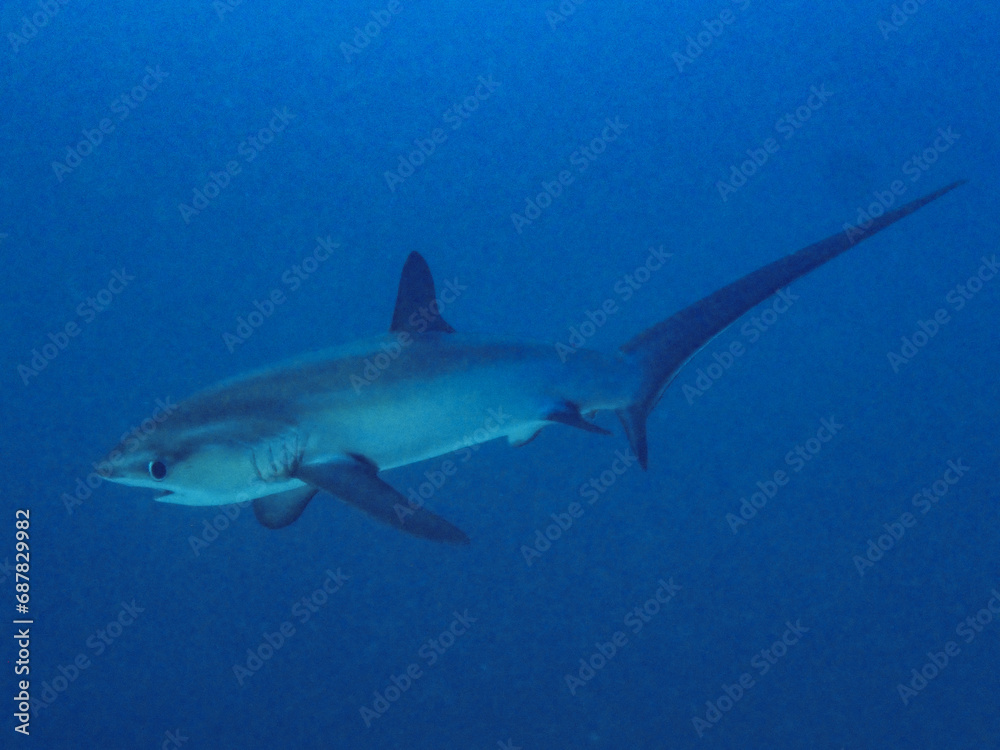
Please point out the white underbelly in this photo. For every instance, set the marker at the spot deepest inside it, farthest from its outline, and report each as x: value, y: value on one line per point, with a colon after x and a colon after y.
x: 397, y: 433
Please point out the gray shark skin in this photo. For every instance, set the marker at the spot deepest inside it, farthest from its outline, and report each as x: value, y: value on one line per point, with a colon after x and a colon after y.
x: 332, y: 421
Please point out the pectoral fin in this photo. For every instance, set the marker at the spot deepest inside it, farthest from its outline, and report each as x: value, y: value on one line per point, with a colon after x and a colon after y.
x: 356, y: 481
x: 283, y: 508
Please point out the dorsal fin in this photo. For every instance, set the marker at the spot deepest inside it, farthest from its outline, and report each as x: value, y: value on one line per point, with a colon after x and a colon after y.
x: 416, y: 309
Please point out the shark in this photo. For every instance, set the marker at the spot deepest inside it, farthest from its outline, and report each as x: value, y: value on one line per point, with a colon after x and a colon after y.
x: 335, y: 420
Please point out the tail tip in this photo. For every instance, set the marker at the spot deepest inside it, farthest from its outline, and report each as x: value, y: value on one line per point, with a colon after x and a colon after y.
x: 633, y: 419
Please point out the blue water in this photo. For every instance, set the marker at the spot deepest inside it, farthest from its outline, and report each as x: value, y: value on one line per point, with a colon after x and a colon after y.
x: 286, y: 118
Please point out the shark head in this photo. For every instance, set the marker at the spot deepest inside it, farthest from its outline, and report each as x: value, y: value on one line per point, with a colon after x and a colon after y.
x: 208, y: 465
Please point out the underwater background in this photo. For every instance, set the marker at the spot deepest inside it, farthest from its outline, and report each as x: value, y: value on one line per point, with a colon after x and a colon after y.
x: 819, y: 519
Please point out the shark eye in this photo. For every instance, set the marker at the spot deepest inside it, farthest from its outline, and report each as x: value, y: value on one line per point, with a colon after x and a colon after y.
x: 157, y: 470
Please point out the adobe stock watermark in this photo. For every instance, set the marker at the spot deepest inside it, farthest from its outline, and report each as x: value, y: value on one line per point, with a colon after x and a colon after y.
x: 429, y: 653
x: 249, y: 149
x: 762, y: 661
x: 915, y: 167
x: 591, y: 491
x: 173, y: 740
x: 924, y: 500
x: 562, y: 12
x: 121, y: 107
x: 127, y: 443
x: 436, y: 479
x: 796, y: 459
x: 87, y: 311
x: 281, y: 454
x: 98, y: 643
x: 624, y: 289
x: 901, y: 14
x: 396, y: 343
x: 787, y: 125
x: 582, y: 159
x: 223, y: 7
x: 455, y: 116
x: 212, y: 528
x: 635, y: 620
x: 301, y: 610
x: 363, y: 36
x: 31, y: 25
x: 724, y: 360
x: 293, y: 278
x: 713, y: 28
x: 967, y: 629
x: 6, y: 569
x: 957, y: 297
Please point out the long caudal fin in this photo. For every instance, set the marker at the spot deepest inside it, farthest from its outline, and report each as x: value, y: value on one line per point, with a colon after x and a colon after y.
x: 660, y: 351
